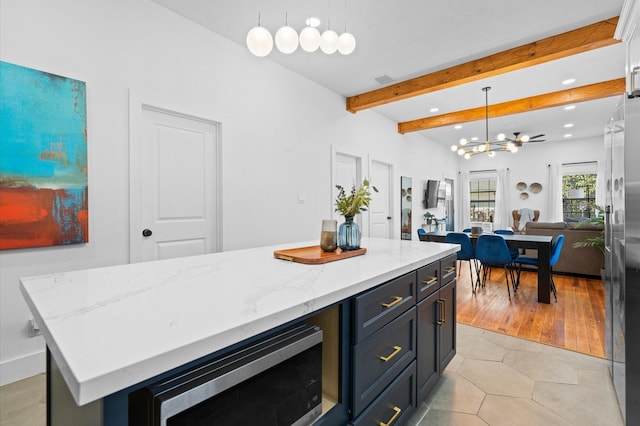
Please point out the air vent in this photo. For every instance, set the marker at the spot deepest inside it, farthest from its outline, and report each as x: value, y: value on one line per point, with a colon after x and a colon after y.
x: 384, y: 79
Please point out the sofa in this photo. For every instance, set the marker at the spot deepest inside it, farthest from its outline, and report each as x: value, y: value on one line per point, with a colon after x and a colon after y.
x: 579, y: 261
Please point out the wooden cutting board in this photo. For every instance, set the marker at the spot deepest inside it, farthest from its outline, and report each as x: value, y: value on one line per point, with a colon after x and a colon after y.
x: 315, y: 256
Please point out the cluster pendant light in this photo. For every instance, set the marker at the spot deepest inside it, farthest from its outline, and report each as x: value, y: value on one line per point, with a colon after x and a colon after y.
x: 260, y: 41
x: 469, y: 149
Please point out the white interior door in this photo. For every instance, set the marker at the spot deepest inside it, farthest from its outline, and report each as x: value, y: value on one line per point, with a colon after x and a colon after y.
x: 174, y: 170
x: 380, y: 207
x: 347, y: 174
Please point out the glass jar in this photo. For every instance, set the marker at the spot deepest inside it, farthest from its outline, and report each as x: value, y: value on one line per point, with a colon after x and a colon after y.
x: 328, y: 237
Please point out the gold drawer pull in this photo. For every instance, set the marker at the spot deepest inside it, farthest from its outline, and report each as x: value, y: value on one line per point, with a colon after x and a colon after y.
x: 390, y: 304
x: 450, y: 269
x: 396, y: 414
x: 431, y: 281
x: 396, y: 351
x: 443, y: 315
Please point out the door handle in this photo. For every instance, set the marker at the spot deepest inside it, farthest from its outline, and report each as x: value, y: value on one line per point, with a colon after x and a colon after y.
x: 388, y: 217
x: 146, y: 233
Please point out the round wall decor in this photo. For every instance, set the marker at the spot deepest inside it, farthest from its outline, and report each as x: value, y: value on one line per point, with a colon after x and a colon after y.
x: 521, y: 186
x: 535, y: 187
x: 524, y: 196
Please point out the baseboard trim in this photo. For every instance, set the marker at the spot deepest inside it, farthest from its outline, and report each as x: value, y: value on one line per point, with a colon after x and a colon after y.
x: 23, y: 367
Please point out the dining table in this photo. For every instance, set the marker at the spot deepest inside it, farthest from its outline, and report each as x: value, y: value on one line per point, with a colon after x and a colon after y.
x: 541, y: 243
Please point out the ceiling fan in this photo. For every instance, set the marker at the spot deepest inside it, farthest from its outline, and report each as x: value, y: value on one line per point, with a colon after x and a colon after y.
x: 519, y: 140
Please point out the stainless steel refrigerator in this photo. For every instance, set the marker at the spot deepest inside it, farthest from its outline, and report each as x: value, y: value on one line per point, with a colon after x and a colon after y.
x: 622, y: 254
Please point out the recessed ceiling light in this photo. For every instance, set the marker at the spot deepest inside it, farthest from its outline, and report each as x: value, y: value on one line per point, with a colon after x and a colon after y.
x: 312, y: 21
x: 434, y: 109
x: 566, y: 126
x: 568, y: 135
x: 475, y: 138
x: 458, y: 127
x: 569, y: 107
x: 568, y: 81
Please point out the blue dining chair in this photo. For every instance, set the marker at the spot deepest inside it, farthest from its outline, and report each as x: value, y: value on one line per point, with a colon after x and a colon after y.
x: 492, y: 251
x: 556, y: 248
x: 466, y: 230
x: 421, y: 232
x: 467, y: 252
x: 514, y: 251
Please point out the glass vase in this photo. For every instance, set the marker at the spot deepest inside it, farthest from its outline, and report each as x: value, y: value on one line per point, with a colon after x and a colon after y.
x: 349, y: 235
x: 328, y: 239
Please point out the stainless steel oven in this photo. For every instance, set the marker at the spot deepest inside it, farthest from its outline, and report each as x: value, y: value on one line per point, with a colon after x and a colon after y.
x: 276, y: 381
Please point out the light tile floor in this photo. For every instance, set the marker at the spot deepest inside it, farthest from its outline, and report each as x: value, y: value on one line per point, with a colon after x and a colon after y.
x: 498, y: 380
x: 493, y: 380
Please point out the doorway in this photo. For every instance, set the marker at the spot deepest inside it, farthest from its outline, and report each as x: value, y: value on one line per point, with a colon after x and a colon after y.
x: 174, y: 184
x: 381, y: 206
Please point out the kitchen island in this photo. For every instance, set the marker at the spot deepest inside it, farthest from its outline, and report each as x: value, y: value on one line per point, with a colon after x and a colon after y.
x: 110, y: 329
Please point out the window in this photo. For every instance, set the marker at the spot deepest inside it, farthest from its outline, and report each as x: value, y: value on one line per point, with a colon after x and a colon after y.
x: 482, y: 195
x: 578, y: 196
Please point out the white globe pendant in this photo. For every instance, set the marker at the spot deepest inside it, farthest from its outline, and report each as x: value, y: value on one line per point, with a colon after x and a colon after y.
x: 259, y: 41
x: 329, y: 42
x: 287, y: 40
x: 346, y: 43
x: 309, y: 39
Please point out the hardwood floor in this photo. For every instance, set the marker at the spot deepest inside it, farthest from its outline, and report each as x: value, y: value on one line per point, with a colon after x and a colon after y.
x: 576, y: 321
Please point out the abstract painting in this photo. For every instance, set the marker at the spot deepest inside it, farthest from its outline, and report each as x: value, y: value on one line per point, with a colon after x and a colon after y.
x: 43, y: 159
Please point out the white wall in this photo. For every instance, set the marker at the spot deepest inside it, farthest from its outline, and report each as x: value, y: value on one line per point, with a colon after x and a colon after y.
x: 277, y: 132
x: 530, y: 163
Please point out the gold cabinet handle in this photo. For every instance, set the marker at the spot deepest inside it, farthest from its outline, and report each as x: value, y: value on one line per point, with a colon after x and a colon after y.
x: 450, y: 269
x: 430, y: 281
x: 396, y: 414
x: 396, y: 351
x: 443, y: 314
x: 390, y: 304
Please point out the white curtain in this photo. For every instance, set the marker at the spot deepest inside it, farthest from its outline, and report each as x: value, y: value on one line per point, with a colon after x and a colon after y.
x: 501, y: 218
x: 601, y: 188
x: 465, y: 203
x: 555, y: 194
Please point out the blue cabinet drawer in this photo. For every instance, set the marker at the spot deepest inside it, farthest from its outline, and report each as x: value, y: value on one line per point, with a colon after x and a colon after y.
x: 395, y: 405
x: 375, y: 308
x: 428, y: 279
x: 448, y: 269
x: 380, y: 358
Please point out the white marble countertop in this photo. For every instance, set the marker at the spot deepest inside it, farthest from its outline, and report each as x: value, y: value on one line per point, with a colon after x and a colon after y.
x: 110, y: 328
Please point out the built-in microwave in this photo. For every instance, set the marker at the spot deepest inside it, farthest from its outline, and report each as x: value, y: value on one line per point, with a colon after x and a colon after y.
x: 276, y: 381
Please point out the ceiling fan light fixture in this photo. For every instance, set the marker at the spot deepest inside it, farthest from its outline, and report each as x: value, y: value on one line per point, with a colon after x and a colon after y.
x: 461, y: 151
x: 454, y: 147
x: 501, y: 137
x: 491, y: 153
x: 467, y: 156
x: 524, y: 138
x: 514, y: 149
x: 464, y: 141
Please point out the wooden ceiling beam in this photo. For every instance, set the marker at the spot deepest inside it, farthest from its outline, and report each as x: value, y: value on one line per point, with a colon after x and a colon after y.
x: 563, y: 97
x: 559, y: 46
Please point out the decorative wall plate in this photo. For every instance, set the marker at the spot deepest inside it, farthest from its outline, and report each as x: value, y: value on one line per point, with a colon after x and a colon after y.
x: 524, y: 196
x: 521, y: 186
x: 535, y: 187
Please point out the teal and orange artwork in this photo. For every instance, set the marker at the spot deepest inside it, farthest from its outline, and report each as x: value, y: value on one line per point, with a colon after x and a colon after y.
x: 43, y: 159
